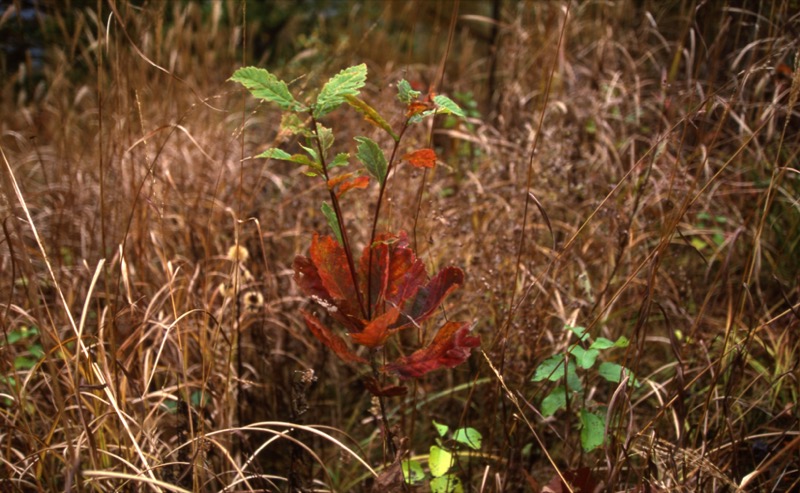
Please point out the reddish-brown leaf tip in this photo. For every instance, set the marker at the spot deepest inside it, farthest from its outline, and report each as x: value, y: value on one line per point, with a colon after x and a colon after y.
x: 329, y: 339
x: 449, y: 348
x: 422, y: 158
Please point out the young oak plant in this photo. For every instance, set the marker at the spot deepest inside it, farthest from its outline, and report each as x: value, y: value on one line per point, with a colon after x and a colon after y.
x: 387, y: 289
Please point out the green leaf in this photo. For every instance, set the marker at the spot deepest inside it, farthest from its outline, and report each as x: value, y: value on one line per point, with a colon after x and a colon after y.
x: 371, y: 115
x: 20, y: 334
x: 584, y: 357
x: 578, y: 331
x: 292, y: 124
x: 550, y: 369
x: 325, y: 137
x: 405, y: 93
x: 372, y: 156
x: 347, y: 82
x: 622, y: 342
x: 440, y: 461
x: 602, y: 343
x: 24, y: 363
x: 446, y: 484
x: 554, y: 401
x: 412, y: 471
x: 330, y: 215
x: 613, y: 372
x: 447, y: 105
x: 341, y: 159
x: 593, y: 430
x: 294, y: 158
x: 266, y: 86
x: 311, y: 152
x: 468, y: 436
x: 440, y: 428
x: 573, y: 382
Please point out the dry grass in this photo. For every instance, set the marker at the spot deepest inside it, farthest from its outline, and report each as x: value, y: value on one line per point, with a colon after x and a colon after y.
x: 140, y: 351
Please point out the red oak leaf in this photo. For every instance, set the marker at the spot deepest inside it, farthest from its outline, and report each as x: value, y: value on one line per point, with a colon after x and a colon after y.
x: 423, y: 158
x: 449, y: 348
x: 397, y: 274
x: 377, y: 331
x: 331, y: 340
x: 331, y: 262
x: 430, y: 296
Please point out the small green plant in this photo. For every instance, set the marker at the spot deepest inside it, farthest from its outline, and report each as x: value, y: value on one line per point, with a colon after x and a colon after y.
x: 441, y: 459
x: 565, y: 369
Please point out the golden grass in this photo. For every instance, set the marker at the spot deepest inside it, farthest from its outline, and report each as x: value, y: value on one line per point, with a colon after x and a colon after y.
x: 151, y: 333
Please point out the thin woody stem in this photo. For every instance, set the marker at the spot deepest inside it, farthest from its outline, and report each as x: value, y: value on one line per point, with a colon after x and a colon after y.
x: 340, y: 220
x: 377, y: 214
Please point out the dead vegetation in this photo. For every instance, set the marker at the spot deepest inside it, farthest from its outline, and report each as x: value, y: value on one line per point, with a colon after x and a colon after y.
x: 151, y: 330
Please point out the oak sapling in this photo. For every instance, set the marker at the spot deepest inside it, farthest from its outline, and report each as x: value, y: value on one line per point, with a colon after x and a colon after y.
x: 387, y: 289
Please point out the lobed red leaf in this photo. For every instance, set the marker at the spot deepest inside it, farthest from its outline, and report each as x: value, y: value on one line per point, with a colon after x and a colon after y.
x: 449, y: 348
x: 331, y: 262
x: 377, y: 330
x: 329, y: 339
x: 423, y: 158
x: 430, y: 296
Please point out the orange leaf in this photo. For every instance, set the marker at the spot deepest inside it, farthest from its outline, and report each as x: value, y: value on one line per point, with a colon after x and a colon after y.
x: 416, y: 107
x: 423, y: 158
x: 329, y: 339
x: 377, y: 330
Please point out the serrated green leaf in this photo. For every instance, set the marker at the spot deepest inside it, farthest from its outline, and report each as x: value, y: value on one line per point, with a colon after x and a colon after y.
x: 440, y: 428
x: 412, y: 471
x: 405, y: 93
x: 468, y: 436
x: 550, y: 369
x: 266, y: 86
x: 554, y: 401
x: 311, y: 152
x: 292, y: 124
x: 447, y: 484
x: 371, y: 115
x: 447, y: 105
x: 440, y: 461
x: 326, y: 138
x: 593, y: 430
x: 341, y: 159
x: 330, y: 215
x: 585, y: 358
x: 372, y: 156
x: 294, y: 158
x: 346, y: 82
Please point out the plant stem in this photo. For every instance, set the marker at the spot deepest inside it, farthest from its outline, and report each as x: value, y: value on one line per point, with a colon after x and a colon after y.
x: 377, y: 214
x: 340, y: 220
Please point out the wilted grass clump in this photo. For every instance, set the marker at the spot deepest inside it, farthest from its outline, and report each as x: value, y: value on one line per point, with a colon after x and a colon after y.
x: 626, y: 173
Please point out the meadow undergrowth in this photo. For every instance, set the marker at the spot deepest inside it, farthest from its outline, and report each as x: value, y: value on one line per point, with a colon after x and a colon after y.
x: 616, y: 200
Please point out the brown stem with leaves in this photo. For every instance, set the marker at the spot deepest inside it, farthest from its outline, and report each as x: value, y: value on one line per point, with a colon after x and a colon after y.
x: 339, y: 219
x: 374, y: 231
